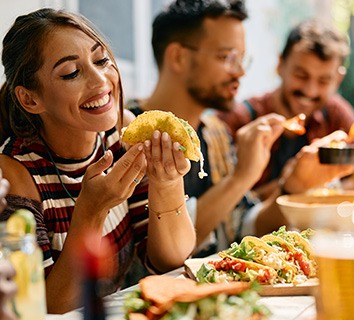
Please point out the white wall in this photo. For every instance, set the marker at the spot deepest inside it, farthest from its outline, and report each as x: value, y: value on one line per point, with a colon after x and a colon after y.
x: 10, y: 9
x: 266, y: 29
x: 268, y: 23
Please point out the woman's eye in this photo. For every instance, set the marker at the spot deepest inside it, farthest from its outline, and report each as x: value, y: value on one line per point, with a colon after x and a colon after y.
x: 102, y: 62
x: 70, y: 75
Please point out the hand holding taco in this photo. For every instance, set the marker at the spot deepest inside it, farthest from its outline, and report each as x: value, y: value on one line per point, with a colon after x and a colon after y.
x: 143, y: 127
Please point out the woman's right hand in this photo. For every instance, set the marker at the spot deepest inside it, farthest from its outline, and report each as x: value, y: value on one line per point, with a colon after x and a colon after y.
x: 104, y: 191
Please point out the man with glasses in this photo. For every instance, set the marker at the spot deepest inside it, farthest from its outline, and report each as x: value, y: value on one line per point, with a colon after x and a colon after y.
x: 311, y: 68
x: 199, y: 47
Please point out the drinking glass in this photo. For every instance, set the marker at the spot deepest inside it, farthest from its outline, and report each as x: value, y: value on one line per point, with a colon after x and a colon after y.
x: 27, y: 259
x: 335, y: 256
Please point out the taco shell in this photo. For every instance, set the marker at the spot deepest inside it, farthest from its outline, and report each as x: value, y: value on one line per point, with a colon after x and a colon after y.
x: 250, y: 264
x: 300, y: 241
x: 293, y: 249
x: 143, y: 127
x: 257, y: 242
x: 260, y: 244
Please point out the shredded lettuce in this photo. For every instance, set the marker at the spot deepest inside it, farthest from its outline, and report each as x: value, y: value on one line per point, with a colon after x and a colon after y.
x: 243, y: 251
x: 206, y: 274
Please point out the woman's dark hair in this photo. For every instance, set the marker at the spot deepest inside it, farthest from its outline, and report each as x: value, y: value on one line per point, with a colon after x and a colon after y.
x: 183, y: 19
x: 22, y: 58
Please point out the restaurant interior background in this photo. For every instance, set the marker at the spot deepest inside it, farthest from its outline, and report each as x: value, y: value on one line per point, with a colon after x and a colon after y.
x: 127, y: 26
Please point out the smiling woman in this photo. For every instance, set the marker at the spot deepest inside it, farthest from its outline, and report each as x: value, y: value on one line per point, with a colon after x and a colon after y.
x: 61, y: 115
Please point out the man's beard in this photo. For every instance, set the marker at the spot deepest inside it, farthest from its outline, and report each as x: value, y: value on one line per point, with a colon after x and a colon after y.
x: 210, y: 99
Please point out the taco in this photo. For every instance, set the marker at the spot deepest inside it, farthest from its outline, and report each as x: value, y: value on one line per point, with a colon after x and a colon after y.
x: 267, y: 255
x: 304, y: 265
x: 142, y: 128
x: 234, y: 269
x: 299, y: 240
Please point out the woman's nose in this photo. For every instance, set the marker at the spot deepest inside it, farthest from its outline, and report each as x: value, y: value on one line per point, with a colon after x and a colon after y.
x: 95, y: 78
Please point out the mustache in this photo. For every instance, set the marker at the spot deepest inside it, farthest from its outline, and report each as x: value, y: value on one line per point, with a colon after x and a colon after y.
x: 234, y: 81
x: 299, y: 93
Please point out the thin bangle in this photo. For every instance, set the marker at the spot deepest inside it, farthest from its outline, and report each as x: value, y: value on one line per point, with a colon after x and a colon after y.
x: 176, y: 211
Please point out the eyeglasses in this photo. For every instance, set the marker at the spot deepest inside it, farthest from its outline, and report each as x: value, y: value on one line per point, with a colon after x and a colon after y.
x: 232, y: 60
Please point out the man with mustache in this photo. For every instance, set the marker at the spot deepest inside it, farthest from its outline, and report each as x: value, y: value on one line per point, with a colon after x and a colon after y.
x: 311, y: 68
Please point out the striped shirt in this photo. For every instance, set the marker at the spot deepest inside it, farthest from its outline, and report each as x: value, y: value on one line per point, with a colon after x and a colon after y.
x: 125, y: 225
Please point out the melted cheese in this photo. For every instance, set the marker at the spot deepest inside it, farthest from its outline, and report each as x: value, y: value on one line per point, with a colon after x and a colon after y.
x: 201, y: 173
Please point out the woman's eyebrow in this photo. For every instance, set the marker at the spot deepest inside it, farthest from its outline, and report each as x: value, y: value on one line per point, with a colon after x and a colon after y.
x: 95, y: 46
x: 67, y: 58
x: 74, y: 57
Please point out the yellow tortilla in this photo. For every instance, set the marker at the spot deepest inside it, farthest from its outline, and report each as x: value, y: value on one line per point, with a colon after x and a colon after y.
x: 300, y: 241
x: 180, y: 131
x: 292, y: 248
x: 262, y: 244
x: 251, y: 264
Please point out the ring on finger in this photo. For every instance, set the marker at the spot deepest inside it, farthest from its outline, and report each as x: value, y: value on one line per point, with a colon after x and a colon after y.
x: 136, y: 181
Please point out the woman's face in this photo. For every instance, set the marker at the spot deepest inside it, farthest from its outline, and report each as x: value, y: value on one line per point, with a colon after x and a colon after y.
x: 78, y: 84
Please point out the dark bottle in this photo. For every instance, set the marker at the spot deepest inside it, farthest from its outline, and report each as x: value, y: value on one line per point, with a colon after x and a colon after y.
x: 93, y: 302
x: 94, y: 277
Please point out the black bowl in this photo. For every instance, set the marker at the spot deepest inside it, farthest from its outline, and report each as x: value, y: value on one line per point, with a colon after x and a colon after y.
x: 330, y: 155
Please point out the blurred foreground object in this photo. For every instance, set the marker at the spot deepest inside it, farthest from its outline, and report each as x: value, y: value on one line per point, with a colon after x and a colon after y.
x: 20, y: 247
x: 163, y: 297
x: 335, y: 255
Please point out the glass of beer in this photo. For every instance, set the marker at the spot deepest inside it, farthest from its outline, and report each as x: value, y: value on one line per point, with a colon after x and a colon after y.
x: 335, y: 257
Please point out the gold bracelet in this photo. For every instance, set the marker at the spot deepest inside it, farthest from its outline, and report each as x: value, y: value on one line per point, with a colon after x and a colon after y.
x: 176, y: 211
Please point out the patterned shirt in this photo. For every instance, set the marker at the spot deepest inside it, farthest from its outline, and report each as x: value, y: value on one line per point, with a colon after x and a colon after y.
x: 125, y: 225
x: 337, y: 114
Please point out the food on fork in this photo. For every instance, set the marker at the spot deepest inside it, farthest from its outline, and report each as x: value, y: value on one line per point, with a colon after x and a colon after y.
x: 164, y: 297
x: 143, y: 127
x: 296, y: 124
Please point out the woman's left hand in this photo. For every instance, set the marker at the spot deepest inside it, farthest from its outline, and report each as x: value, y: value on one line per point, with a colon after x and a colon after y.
x: 165, y: 160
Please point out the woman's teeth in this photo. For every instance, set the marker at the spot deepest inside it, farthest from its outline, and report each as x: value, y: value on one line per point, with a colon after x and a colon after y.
x: 97, y: 103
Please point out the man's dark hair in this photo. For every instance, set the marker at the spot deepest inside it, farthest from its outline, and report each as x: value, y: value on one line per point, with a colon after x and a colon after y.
x: 182, y: 21
x: 319, y: 38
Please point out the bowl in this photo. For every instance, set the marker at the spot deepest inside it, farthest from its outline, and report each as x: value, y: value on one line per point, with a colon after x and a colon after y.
x: 337, y: 155
x: 332, y: 212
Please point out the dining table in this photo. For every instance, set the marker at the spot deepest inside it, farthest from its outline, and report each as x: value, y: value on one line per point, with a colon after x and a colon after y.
x: 282, y: 307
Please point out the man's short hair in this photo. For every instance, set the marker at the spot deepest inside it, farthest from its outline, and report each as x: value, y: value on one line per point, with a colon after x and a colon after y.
x: 319, y: 38
x: 182, y: 21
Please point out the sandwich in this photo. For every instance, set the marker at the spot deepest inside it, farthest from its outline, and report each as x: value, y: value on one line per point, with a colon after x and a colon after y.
x: 143, y: 127
x: 164, y: 297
